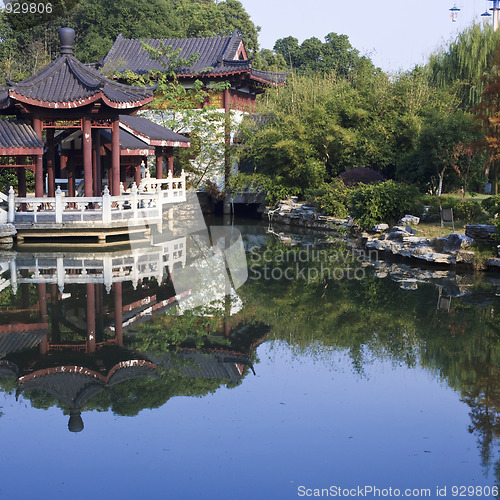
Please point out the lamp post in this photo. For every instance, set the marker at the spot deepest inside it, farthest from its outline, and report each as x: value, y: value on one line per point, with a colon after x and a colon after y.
x: 454, y: 13
x: 495, y: 9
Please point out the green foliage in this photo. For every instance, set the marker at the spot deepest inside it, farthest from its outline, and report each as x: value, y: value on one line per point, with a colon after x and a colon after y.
x: 492, y: 204
x: 461, y: 66
x: 384, y: 202
x: 467, y: 210
x: 259, y: 183
x: 331, y: 198
x: 27, y: 45
x: 313, y: 56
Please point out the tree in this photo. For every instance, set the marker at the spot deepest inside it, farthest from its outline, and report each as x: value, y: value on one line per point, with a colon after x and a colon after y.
x: 314, y: 56
x: 97, y: 23
x: 463, y: 63
x: 487, y: 114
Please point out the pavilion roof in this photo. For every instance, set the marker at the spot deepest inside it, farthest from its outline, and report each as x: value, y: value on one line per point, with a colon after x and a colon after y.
x: 18, y: 137
x: 152, y: 133
x: 67, y: 83
x: 217, y: 56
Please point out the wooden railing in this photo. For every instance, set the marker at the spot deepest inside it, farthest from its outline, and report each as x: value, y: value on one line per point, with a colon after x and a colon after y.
x: 138, y: 204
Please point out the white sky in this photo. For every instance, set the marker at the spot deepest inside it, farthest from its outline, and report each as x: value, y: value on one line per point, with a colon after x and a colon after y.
x: 397, y: 34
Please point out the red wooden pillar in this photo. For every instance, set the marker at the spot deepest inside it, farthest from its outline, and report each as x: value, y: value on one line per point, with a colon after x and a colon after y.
x: 87, y: 156
x: 227, y: 136
x: 118, y: 313
x: 64, y: 166
x: 71, y: 176
x: 90, y: 317
x: 96, y: 162
x: 115, y: 158
x: 159, y: 162
x: 170, y: 160
x: 37, y: 126
x: 51, y: 163
x: 137, y: 174
x: 21, y: 186
x: 21, y: 181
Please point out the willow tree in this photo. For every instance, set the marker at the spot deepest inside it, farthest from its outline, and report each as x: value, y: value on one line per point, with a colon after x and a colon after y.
x: 464, y: 62
x: 488, y: 115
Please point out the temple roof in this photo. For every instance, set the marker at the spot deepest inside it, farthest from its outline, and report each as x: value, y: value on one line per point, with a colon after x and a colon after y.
x: 152, y: 133
x: 68, y: 83
x: 17, y: 134
x: 217, y: 56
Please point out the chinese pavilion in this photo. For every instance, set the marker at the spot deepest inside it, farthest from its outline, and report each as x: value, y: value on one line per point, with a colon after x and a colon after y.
x: 75, y: 104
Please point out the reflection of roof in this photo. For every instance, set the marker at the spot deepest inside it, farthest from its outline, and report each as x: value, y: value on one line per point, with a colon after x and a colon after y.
x: 17, y: 134
x: 75, y: 385
x: 210, y: 365
x: 20, y: 337
x: 217, y: 56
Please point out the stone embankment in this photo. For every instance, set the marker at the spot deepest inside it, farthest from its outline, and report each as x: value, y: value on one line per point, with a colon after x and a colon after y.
x: 399, y: 240
x: 7, y: 233
x: 293, y: 213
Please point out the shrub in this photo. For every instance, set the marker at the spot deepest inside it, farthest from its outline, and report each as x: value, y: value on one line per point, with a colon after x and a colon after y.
x: 433, y: 214
x: 467, y: 210
x: 356, y: 176
x: 492, y: 204
x: 384, y: 202
x: 332, y: 198
x: 260, y: 183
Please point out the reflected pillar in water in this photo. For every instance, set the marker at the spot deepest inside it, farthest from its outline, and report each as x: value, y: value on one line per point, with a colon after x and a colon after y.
x: 90, y: 318
x: 54, y: 303
x: 42, y: 310
x: 117, y: 289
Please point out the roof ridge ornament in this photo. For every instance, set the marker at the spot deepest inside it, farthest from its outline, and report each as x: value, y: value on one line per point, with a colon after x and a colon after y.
x: 67, y: 38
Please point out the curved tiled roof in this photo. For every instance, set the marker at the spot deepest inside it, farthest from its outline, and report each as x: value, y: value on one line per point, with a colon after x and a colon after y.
x: 128, y: 53
x: 217, y: 56
x: 18, y: 134
x: 68, y: 83
x: 152, y: 133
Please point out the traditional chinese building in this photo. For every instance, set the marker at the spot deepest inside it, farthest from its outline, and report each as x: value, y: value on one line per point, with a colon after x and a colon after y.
x: 218, y: 59
x: 67, y: 123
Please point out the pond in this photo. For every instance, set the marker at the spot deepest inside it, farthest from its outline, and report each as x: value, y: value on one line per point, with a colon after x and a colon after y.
x: 305, y: 369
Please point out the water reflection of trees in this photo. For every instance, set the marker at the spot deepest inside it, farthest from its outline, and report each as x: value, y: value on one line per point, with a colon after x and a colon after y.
x: 123, y: 351
x: 456, y: 339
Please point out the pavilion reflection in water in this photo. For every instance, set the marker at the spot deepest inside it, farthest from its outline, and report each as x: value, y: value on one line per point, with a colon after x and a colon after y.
x: 68, y: 330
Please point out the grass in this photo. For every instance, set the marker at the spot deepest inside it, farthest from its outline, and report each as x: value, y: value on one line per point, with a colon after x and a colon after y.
x: 433, y: 229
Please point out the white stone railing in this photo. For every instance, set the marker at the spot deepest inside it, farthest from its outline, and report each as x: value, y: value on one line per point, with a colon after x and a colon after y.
x: 174, y: 186
x: 145, y: 202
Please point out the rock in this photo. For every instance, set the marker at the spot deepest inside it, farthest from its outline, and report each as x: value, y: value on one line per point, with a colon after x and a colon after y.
x: 456, y: 241
x: 398, y: 233
x: 416, y: 240
x: 465, y: 256
x: 380, y: 228
x: 7, y: 230
x: 481, y: 232
x: 409, y: 219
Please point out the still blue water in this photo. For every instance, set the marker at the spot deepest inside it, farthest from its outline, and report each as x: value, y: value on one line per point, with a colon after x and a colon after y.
x: 318, y: 413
